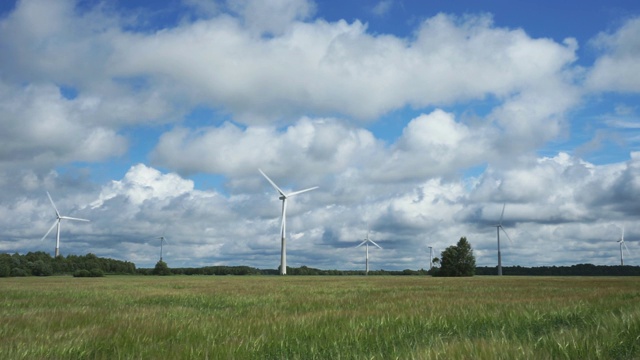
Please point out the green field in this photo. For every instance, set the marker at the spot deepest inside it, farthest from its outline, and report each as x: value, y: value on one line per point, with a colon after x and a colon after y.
x: 323, y: 317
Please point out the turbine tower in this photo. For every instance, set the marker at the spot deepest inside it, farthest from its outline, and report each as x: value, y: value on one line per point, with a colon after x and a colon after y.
x: 430, y: 257
x: 498, y: 228
x: 162, y: 240
x: 283, y: 227
x: 366, y: 244
x: 621, y: 242
x: 59, y: 218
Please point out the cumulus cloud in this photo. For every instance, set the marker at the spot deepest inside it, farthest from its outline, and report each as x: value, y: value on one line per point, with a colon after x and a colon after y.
x: 142, y: 183
x: 435, y: 144
x: 329, y: 68
x: 305, y: 148
x: 297, y: 95
x: 41, y: 128
x: 618, y: 68
x: 272, y: 17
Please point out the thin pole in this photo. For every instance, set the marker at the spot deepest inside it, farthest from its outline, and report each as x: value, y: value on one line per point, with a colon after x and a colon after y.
x: 58, y: 240
x: 283, y: 245
x: 367, y: 259
x: 499, y: 255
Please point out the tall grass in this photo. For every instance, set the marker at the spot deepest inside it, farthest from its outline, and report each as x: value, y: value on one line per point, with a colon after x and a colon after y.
x: 269, y: 317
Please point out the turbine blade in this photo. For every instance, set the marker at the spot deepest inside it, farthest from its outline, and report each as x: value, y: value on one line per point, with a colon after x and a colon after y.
x: 272, y: 183
x: 625, y: 246
x: 72, y: 218
x: 362, y: 243
x: 508, y: 237
x: 51, y: 228
x: 54, y: 205
x: 502, y: 215
x: 301, y: 191
x: 371, y: 241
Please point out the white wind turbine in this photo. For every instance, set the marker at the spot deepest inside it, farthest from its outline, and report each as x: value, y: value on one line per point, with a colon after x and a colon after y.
x: 498, y: 228
x: 621, y: 242
x: 366, y: 244
x: 283, y: 227
x: 59, y: 218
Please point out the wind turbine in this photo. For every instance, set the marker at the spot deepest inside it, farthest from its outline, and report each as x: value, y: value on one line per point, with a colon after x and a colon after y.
x: 366, y: 244
x: 283, y: 227
x: 162, y: 240
x: 498, y: 228
x: 59, y: 218
x: 621, y: 242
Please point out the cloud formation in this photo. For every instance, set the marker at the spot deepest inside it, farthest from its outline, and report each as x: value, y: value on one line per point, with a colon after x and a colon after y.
x: 151, y: 128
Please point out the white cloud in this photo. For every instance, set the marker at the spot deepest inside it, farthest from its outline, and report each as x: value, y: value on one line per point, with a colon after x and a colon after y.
x: 42, y: 128
x: 306, y: 148
x: 382, y: 7
x: 142, y: 183
x: 435, y: 145
x: 271, y: 17
x: 326, y: 68
x: 618, y: 68
x: 295, y: 91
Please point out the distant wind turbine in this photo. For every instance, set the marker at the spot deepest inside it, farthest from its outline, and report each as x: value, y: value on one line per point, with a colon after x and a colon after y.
x: 283, y: 227
x: 430, y: 257
x: 498, y: 228
x: 366, y: 244
x: 59, y: 218
x: 621, y: 242
x: 162, y: 240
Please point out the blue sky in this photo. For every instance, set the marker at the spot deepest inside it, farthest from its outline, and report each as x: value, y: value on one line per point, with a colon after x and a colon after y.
x: 418, y: 120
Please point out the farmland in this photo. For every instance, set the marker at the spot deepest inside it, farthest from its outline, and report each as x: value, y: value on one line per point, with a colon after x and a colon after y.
x: 309, y: 317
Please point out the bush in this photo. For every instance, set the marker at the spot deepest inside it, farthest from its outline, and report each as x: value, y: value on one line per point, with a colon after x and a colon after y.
x: 82, y: 273
x: 86, y: 273
x: 18, y: 272
x: 161, y: 268
x: 96, y: 273
x: 40, y: 268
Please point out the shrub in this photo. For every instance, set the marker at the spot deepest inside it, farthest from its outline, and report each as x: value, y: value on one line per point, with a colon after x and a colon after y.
x: 96, y: 273
x: 18, y: 272
x: 161, y: 268
x: 82, y: 273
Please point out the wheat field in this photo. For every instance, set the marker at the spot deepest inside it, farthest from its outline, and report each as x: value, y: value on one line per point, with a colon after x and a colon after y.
x: 319, y: 317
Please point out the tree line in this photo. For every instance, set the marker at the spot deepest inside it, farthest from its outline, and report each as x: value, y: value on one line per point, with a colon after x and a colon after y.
x: 40, y: 263
x: 573, y: 270
x: 161, y: 268
x: 456, y: 261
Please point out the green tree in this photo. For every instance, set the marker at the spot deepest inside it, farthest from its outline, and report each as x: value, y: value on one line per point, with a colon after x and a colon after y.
x: 458, y: 260
x: 435, y: 267
x: 161, y: 268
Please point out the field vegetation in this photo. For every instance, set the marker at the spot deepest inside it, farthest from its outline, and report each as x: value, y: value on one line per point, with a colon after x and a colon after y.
x: 312, y: 317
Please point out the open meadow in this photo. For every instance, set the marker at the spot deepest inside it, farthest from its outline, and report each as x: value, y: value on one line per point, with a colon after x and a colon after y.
x: 321, y: 317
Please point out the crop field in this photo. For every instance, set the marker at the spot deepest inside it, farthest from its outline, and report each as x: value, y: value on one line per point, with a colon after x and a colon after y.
x: 322, y: 317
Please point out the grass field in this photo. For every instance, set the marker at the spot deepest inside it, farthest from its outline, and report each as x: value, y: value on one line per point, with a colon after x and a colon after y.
x: 355, y: 317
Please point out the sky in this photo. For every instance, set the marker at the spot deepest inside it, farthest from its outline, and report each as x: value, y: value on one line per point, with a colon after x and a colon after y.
x: 417, y: 120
